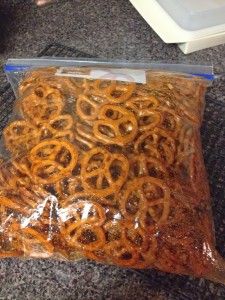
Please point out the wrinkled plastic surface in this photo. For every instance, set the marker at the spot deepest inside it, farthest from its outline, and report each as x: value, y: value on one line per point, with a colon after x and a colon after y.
x: 110, y: 171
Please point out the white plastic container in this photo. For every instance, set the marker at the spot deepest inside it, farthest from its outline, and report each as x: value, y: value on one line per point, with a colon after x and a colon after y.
x: 195, y: 14
x: 195, y: 24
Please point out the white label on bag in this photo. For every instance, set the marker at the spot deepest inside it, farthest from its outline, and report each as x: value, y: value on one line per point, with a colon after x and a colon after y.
x: 127, y: 75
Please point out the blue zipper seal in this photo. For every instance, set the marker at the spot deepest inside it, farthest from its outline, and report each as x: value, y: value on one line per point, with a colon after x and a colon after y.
x: 14, y: 68
x: 19, y: 68
x: 205, y: 76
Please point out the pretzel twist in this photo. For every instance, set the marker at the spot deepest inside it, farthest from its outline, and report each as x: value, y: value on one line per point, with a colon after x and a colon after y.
x: 20, y: 136
x: 157, y: 143
x: 112, y: 91
x: 103, y: 173
x: 44, y: 104
x: 147, y: 200
x: 115, y: 125
x: 51, y: 160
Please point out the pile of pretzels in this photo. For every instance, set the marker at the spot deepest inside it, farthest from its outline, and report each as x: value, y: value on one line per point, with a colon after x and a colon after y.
x: 104, y: 170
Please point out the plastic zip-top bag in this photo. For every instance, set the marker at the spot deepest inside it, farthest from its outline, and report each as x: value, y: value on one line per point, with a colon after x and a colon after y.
x: 103, y: 161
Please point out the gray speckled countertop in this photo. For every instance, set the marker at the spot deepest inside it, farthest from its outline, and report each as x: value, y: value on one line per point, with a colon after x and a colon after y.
x: 105, y: 28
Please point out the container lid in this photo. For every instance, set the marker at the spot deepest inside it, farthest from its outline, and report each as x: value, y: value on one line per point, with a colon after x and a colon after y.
x: 195, y: 15
x: 180, y: 21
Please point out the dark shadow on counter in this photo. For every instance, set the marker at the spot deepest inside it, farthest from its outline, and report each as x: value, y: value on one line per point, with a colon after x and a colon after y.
x: 6, y: 21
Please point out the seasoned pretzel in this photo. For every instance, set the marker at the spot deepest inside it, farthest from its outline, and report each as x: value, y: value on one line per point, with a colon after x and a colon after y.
x: 68, y: 186
x: 58, y: 127
x: 96, y: 255
x: 65, y: 135
x: 103, y: 173
x: 32, y: 196
x: 113, y: 230
x: 142, y: 165
x: 88, y: 86
x: 84, y: 136
x: 121, y: 253
x: 51, y: 149
x: 13, y: 205
x: 81, y: 212
x: 47, y: 171
x: 46, y: 132
x: 171, y: 122
x: 157, y: 143
x: 112, y: 91
x: 44, y: 104
x: 45, y: 91
x: 33, y: 77
x: 145, y: 109
x: 135, y: 236
x: 65, y: 85
x: 115, y: 125
x: 86, y: 237
x: 31, y: 241
x: 61, y: 123
x: 84, y: 196
x: 146, y: 197
x: 143, y: 103
x: 22, y: 166
x: 52, y: 160
x: 20, y: 136
x: 87, y: 107
x: 73, y: 86
x: 13, y: 176
x: 148, y: 119
x: 21, y: 203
